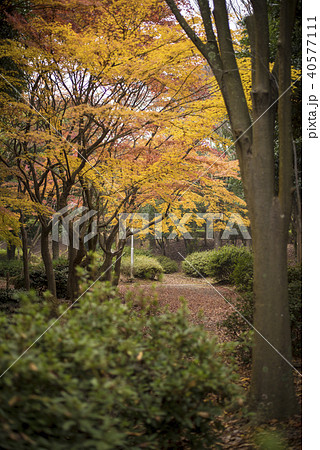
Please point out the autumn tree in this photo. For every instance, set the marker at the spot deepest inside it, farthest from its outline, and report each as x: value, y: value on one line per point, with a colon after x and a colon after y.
x: 115, y: 115
x: 272, y: 390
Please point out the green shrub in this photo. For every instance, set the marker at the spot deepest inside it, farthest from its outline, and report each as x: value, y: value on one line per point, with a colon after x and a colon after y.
x: 242, y: 274
x: 196, y: 264
x: 109, y: 377
x: 9, y: 295
x: 143, y: 267
x: 222, y: 262
x: 219, y: 264
x: 294, y: 273
x: 35, y: 259
x: 60, y: 263
x: 168, y: 264
x: 3, y: 254
x: 13, y: 267
x: 9, y: 300
x: 234, y: 324
x: 38, y: 280
x: 295, y: 307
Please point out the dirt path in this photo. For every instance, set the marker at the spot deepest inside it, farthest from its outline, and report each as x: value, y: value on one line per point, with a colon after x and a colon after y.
x: 206, y: 303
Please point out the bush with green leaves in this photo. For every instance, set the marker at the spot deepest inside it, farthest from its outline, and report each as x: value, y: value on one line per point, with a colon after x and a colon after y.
x: 143, y: 267
x: 168, y: 264
x: 38, y: 279
x: 242, y: 274
x: 60, y: 263
x: 219, y: 264
x: 109, y: 376
x: 222, y: 262
x: 295, y: 307
x: 13, y: 267
x: 3, y: 254
x: 9, y: 300
x: 196, y: 264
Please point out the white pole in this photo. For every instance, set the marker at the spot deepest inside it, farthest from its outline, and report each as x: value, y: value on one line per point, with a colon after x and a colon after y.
x: 131, y: 268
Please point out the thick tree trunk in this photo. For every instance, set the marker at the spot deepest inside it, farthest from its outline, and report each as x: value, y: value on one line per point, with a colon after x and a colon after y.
x: 272, y: 389
x: 47, y: 260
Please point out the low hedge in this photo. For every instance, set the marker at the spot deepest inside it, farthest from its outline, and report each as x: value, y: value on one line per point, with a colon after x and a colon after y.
x: 196, y: 264
x: 222, y: 262
x: 168, y: 264
x: 226, y: 264
x: 242, y: 274
x: 143, y: 267
x: 110, y: 377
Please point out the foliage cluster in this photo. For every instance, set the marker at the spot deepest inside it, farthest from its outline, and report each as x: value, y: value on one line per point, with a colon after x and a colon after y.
x: 196, y: 264
x: 38, y: 279
x: 225, y: 264
x: 145, y: 267
x: 12, y: 267
x: 168, y: 264
x: 222, y: 262
x: 89, y: 107
x: 9, y: 295
x: 110, y: 376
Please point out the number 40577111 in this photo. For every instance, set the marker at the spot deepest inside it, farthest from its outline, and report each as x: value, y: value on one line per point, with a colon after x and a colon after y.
x: 311, y: 47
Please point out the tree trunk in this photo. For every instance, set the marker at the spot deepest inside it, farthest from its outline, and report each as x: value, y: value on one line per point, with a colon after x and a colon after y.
x: 299, y: 242
x: 117, y: 266
x: 55, y: 250
x: 272, y: 389
x: 71, y: 282
x: 47, y: 260
x: 217, y: 239
x: 25, y: 256
x: 106, y: 268
x: 75, y: 259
